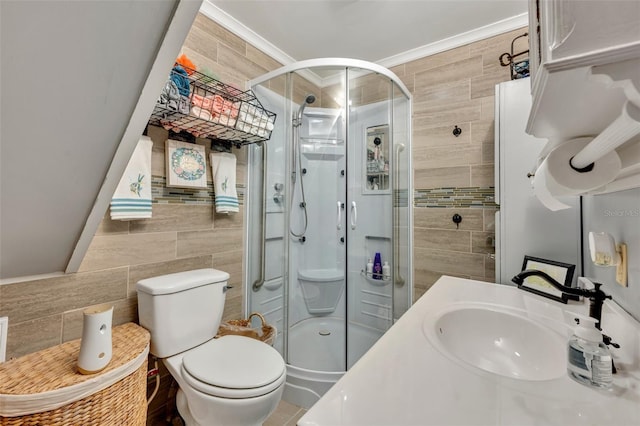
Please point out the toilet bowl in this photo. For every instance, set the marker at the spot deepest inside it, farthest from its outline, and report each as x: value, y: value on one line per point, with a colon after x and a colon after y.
x: 231, y: 380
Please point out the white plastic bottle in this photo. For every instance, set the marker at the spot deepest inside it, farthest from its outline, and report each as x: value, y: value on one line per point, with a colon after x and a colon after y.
x: 589, y: 359
x: 386, y: 271
x: 369, y: 268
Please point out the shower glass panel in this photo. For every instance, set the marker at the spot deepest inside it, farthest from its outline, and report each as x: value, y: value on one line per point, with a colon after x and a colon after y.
x: 329, y: 191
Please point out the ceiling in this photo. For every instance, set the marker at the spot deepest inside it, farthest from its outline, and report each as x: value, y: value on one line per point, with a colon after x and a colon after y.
x: 378, y: 31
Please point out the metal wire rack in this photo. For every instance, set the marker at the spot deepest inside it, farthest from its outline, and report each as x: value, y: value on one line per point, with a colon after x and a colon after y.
x: 207, y: 108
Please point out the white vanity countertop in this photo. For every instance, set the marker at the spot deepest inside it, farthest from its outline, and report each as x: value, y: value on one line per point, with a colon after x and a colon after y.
x: 405, y: 380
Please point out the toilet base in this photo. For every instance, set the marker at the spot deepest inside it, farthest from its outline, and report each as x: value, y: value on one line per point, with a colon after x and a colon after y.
x: 228, y: 412
x: 183, y: 409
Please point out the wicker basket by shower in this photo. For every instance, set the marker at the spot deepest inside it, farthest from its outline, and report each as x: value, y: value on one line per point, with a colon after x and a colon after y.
x: 122, y: 403
x: 242, y: 327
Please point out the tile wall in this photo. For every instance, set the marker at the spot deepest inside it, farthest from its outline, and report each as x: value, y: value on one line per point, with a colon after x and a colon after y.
x: 455, y: 174
x: 451, y: 88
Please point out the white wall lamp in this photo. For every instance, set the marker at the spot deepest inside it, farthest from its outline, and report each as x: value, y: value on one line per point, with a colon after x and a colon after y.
x: 605, y: 252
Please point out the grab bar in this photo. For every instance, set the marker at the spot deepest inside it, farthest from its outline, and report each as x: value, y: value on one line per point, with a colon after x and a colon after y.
x: 399, y: 279
x: 339, y: 215
x: 354, y: 215
x: 263, y: 218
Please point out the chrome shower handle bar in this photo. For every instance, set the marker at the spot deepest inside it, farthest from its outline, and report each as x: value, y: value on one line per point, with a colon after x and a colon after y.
x: 354, y: 215
x: 339, y: 225
x: 263, y: 218
x: 398, y: 278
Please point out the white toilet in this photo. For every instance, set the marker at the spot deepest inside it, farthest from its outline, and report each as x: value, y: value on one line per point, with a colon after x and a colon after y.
x: 232, y: 380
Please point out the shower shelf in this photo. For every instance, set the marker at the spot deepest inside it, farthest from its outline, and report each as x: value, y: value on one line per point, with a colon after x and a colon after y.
x: 369, y: 277
x: 332, y: 141
x: 214, y: 110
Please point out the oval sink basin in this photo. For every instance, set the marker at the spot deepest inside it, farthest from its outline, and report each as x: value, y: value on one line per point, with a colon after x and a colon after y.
x: 499, y: 342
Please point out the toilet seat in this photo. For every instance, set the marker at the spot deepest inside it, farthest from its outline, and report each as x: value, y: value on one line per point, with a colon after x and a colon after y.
x: 234, y: 367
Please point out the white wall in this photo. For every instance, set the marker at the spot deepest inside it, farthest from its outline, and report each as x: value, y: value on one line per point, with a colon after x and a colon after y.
x: 619, y: 215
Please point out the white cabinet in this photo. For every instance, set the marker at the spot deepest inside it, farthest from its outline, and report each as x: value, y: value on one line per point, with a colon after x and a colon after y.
x: 585, y: 67
x: 576, y: 27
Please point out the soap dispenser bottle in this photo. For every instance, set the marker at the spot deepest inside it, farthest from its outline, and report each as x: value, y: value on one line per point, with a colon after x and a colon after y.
x: 589, y: 360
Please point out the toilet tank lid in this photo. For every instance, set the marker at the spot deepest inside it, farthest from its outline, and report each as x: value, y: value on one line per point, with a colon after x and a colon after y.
x: 181, y: 281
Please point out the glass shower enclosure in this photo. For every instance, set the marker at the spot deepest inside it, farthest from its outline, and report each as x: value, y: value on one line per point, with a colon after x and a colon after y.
x: 328, y: 216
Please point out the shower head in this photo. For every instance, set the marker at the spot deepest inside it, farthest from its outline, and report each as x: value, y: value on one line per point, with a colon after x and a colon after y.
x: 309, y: 99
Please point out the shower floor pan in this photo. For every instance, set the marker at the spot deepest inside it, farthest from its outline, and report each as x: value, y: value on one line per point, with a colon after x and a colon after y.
x: 317, y: 357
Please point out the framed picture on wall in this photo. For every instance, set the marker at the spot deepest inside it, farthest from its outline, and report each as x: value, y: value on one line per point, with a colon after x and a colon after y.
x: 186, y: 165
x: 561, y: 272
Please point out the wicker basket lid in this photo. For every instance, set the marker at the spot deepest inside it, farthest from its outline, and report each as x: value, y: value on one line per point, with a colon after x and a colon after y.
x: 56, y: 367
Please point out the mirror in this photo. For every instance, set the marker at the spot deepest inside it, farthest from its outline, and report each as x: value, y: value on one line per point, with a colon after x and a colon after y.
x: 377, y: 159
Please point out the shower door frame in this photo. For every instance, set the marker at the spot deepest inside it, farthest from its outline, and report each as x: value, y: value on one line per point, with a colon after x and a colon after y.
x: 345, y: 65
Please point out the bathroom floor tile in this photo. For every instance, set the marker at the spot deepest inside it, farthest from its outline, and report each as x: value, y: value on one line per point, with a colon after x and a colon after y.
x: 286, y: 414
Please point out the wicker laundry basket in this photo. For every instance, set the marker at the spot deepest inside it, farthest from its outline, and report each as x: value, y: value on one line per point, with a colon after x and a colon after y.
x: 242, y: 327
x: 122, y: 403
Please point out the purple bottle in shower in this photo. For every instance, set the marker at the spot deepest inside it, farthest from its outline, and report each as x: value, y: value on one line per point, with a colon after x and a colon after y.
x: 377, y: 267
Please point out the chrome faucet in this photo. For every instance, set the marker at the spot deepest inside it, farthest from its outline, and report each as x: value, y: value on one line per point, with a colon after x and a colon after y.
x: 596, y: 296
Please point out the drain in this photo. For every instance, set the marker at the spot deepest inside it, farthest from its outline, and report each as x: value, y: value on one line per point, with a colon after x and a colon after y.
x: 324, y: 332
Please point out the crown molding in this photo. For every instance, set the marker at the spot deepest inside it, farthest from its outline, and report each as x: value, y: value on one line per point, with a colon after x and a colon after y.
x: 221, y: 17
x: 218, y: 15
x: 458, y: 40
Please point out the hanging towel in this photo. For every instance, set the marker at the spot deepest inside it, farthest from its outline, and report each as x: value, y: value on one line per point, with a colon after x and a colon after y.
x: 132, y: 199
x: 223, y: 166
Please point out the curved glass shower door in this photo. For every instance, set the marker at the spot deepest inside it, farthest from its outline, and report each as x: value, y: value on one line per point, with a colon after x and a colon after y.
x: 325, y: 194
x: 317, y: 239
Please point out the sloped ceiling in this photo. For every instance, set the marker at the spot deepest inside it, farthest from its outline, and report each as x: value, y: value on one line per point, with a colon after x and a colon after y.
x: 78, y: 82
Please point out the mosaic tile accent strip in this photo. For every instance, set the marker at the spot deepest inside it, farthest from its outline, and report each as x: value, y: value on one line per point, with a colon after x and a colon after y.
x: 473, y: 196
x: 163, y: 195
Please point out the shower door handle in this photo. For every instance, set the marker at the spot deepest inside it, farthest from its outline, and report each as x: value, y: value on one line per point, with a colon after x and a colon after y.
x: 354, y: 215
x: 339, y: 216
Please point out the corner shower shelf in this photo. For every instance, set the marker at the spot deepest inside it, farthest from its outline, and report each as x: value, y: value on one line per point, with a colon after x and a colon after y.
x: 369, y: 277
x: 214, y: 110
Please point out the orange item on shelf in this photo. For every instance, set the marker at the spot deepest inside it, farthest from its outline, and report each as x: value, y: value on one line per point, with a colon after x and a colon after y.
x: 186, y: 63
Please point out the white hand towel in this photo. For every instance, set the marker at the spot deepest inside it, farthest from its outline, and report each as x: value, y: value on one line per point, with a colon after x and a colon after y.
x: 132, y: 199
x: 223, y: 166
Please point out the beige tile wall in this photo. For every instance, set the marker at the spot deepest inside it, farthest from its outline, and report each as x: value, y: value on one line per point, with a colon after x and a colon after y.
x: 450, y: 88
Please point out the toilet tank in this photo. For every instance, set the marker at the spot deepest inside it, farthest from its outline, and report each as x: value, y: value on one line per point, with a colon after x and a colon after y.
x: 181, y: 310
